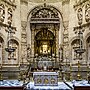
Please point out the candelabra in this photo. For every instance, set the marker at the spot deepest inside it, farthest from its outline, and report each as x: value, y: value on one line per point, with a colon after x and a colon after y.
x: 79, y: 50
x: 70, y: 71
x: 78, y: 75
x: 88, y: 76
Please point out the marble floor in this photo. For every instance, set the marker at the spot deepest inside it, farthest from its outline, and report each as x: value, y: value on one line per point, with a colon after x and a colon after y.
x: 31, y: 86
x: 60, y: 86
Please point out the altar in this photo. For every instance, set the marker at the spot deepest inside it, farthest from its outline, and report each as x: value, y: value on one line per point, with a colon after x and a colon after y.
x: 45, y: 78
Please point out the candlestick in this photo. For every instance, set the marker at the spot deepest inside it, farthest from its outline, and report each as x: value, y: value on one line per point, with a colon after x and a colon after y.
x: 78, y: 75
x: 70, y: 71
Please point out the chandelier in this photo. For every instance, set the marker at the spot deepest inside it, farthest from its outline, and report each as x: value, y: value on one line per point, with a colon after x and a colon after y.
x: 10, y: 47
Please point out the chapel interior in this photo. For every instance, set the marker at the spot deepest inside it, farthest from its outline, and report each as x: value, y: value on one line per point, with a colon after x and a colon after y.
x: 44, y: 36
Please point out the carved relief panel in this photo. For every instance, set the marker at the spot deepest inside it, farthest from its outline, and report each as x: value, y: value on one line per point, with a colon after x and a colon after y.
x: 24, y: 42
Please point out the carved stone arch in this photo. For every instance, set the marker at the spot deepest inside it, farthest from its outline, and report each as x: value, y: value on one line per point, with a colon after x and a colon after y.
x: 74, y: 38
x: 74, y: 43
x: 54, y: 24
x: 87, y: 46
x: 86, y: 36
x: 45, y: 12
x: 2, y: 51
x: 16, y: 39
x: 85, y: 40
x: 2, y: 36
x: 31, y: 10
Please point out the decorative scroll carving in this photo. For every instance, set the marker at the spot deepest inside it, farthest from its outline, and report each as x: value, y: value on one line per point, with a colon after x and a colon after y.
x: 9, y: 16
x: 2, y: 13
x: 87, y: 12
x: 80, y: 16
x: 47, y: 12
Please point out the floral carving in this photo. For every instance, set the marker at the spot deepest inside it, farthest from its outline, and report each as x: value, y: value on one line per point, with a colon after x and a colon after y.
x: 44, y: 13
x: 80, y: 16
x: 2, y: 13
x: 87, y: 13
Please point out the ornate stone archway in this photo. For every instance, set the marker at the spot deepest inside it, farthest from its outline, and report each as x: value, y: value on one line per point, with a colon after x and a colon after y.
x: 45, y: 16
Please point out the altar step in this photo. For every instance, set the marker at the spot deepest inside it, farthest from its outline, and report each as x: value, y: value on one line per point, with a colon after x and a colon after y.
x: 61, y: 86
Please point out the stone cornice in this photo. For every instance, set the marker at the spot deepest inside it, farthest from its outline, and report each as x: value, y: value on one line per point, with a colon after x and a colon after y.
x: 9, y: 3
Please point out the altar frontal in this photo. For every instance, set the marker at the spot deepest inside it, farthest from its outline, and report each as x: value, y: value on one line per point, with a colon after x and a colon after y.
x: 45, y: 78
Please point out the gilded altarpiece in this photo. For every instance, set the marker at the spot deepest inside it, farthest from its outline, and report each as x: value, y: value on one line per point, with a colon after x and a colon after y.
x: 44, y: 25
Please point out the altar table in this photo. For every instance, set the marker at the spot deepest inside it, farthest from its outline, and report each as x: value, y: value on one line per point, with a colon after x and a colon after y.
x: 45, y: 78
